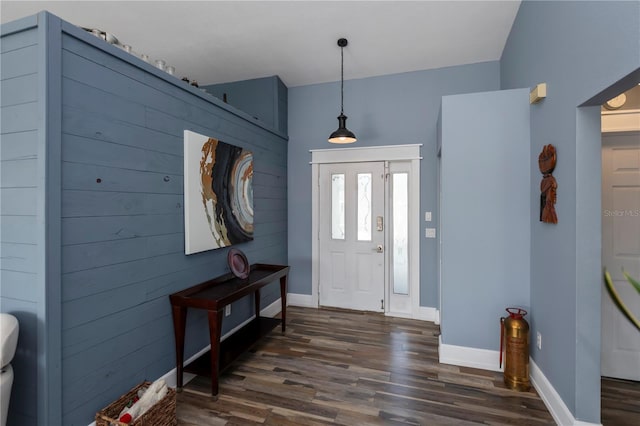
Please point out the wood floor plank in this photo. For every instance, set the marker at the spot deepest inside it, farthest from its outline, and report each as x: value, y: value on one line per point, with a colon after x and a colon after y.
x: 620, y: 402
x: 353, y: 368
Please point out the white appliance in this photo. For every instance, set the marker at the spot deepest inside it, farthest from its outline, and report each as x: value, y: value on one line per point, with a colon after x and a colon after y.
x: 8, y: 342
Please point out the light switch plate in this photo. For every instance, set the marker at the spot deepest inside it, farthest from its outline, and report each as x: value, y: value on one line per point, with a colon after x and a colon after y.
x: 430, y: 232
x: 427, y: 216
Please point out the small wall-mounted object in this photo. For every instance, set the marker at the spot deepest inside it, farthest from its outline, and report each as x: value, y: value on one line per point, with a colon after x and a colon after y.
x: 617, y: 102
x: 160, y: 64
x: 538, y: 93
x: 548, y: 186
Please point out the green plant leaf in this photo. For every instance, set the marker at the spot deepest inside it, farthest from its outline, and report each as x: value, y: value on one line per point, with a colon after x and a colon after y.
x: 633, y: 282
x: 616, y: 299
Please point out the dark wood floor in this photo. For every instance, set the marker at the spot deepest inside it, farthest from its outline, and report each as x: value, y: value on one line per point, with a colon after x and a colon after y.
x: 620, y: 403
x: 336, y: 367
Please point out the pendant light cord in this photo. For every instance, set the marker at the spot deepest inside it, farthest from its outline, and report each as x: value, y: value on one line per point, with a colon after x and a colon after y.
x: 342, y: 135
x: 341, y: 80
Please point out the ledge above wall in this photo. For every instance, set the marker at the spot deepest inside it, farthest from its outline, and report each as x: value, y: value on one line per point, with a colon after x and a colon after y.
x: 174, y: 80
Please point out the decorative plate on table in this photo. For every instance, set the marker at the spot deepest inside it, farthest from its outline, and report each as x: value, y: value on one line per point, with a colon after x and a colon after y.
x: 238, y: 263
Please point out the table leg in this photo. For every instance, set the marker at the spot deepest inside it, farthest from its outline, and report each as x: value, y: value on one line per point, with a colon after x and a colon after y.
x: 215, y: 329
x: 256, y: 296
x: 179, y: 314
x: 283, y: 301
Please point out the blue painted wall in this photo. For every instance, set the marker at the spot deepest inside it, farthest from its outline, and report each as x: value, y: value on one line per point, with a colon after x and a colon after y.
x: 388, y: 110
x: 121, y: 125
x: 19, y: 183
x: 485, y: 214
x: 580, y: 50
x: 124, y: 125
x: 265, y: 99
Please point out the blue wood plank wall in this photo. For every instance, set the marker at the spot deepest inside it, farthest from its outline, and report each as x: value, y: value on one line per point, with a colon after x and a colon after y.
x: 122, y: 218
x: 282, y: 106
x: 121, y: 196
x: 265, y: 99
x: 19, y: 280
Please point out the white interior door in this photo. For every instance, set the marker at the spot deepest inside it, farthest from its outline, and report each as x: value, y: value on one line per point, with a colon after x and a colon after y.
x: 621, y: 250
x: 351, y: 236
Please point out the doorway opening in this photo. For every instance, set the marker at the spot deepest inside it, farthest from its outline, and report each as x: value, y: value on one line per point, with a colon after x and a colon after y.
x: 620, y: 341
x: 365, y: 229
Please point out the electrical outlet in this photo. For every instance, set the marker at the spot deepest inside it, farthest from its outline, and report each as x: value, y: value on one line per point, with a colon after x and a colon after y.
x: 227, y: 310
x: 539, y: 340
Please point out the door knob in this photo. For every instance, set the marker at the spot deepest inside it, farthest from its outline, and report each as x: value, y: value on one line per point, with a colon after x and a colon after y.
x: 378, y: 249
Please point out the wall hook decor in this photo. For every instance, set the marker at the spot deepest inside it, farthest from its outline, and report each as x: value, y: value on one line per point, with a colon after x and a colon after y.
x: 548, y: 186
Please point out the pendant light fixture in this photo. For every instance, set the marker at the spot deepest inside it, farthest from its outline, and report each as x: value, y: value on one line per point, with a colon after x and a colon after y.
x: 342, y: 135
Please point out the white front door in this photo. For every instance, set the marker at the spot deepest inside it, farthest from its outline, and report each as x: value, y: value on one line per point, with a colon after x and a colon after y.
x: 351, y: 236
x: 621, y: 250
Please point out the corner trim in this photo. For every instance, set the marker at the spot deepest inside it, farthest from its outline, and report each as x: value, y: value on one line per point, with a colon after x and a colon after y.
x: 551, y: 398
x: 463, y: 356
x: 49, y: 228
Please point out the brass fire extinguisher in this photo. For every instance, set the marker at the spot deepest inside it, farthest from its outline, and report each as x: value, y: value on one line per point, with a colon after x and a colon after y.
x: 514, y: 331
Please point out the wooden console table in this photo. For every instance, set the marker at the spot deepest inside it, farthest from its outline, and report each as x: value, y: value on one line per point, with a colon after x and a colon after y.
x: 214, y: 295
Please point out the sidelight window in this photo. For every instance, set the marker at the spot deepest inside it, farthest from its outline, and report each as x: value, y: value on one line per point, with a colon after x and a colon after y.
x: 400, y: 238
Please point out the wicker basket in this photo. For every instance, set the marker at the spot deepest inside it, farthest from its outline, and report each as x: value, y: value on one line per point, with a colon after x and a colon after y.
x: 163, y: 413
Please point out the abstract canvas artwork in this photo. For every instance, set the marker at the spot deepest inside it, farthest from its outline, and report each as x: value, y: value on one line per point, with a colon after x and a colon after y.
x: 218, y: 193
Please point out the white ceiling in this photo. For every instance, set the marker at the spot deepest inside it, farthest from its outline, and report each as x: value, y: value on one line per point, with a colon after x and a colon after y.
x: 222, y: 41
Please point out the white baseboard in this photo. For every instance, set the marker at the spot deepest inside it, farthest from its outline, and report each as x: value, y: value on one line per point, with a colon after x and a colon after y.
x: 427, y: 314
x: 484, y: 359
x: 302, y: 300
x: 551, y: 398
x: 170, y: 377
x: 272, y: 310
x: 489, y: 360
x: 424, y: 313
x: 401, y: 315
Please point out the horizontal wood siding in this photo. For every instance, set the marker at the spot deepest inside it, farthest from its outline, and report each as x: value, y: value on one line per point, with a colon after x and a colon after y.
x: 18, y: 192
x: 265, y: 99
x: 123, y: 219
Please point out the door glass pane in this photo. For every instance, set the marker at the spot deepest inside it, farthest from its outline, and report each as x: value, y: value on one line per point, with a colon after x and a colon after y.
x: 337, y: 206
x: 364, y: 206
x: 400, y: 213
